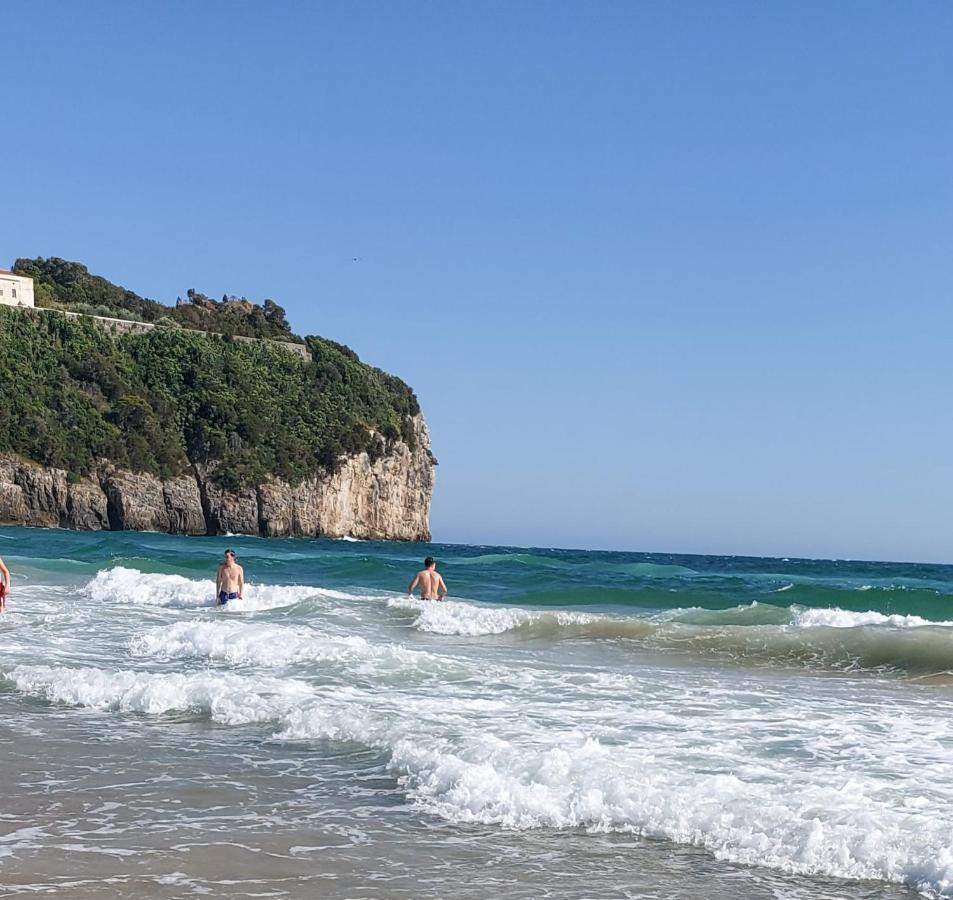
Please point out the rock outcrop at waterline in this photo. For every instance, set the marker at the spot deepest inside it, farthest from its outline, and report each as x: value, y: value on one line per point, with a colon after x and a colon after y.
x: 387, y: 499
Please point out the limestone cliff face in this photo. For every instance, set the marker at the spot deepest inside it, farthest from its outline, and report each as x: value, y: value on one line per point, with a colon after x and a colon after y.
x: 388, y: 499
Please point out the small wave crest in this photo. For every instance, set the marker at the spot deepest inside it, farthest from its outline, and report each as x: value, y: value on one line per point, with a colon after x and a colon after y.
x: 453, y: 617
x: 130, y: 586
x: 531, y: 560
x: 225, y: 697
x: 845, y: 618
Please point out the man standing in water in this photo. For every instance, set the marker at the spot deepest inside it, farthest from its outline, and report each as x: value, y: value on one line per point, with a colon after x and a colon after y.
x: 230, y: 581
x: 431, y: 583
x: 4, y: 585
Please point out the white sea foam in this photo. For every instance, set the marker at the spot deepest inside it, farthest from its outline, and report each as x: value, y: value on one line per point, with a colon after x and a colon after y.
x: 244, y: 643
x: 239, y: 643
x: 535, y: 758
x: 21, y: 839
x: 844, y: 618
x: 125, y: 585
x: 845, y: 827
x: 225, y: 697
x: 452, y: 617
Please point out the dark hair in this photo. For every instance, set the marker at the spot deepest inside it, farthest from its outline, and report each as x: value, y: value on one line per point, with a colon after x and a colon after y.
x: 429, y: 561
x: 229, y: 551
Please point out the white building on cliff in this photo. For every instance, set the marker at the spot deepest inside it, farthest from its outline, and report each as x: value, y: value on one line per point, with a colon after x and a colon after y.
x: 15, y: 290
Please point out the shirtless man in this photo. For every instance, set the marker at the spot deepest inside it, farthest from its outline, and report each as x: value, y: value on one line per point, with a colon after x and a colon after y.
x: 230, y: 581
x: 4, y: 585
x: 431, y: 583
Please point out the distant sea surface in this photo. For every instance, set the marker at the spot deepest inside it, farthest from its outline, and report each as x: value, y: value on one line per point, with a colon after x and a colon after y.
x: 569, y: 724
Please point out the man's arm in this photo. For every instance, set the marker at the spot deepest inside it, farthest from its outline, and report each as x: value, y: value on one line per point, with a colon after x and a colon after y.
x: 218, y: 581
x: 241, y: 582
x: 441, y: 588
x: 414, y: 583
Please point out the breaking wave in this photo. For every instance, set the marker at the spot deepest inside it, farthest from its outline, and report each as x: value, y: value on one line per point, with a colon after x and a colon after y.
x: 224, y: 697
x: 251, y: 644
x: 755, y: 634
x: 130, y: 586
x: 525, y: 772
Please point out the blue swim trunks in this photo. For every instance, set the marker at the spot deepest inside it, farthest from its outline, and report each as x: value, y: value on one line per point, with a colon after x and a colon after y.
x: 224, y: 597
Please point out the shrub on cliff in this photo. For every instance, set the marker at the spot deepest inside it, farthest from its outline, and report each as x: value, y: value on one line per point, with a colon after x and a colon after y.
x: 160, y: 402
x: 62, y: 284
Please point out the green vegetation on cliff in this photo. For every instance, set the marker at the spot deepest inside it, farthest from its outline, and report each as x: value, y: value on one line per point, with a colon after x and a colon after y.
x: 72, y: 393
x: 61, y: 284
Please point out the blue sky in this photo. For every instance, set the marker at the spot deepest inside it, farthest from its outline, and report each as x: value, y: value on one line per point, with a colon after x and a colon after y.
x: 665, y: 276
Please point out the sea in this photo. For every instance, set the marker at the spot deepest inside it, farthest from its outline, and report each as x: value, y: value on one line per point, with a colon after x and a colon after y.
x: 569, y: 724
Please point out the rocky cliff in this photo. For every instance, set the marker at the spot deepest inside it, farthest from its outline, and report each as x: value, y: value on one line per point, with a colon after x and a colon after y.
x: 387, y: 499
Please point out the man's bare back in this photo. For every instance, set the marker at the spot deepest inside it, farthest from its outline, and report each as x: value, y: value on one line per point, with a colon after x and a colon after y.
x: 431, y: 583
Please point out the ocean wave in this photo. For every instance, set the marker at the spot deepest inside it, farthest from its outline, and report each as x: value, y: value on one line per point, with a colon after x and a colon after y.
x: 453, y: 617
x: 495, y: 762
x: 531, y: 560
x: 585, y: 784
x: 644, y: 569
x: 224, y: 697
x: 845, y: 618
x: 752, y: 634
x: 759, y: 634
x: 923, y: 599
x: 244, y: 643
x: 863, y: 648
x: 753, y: 613
x: 131, y: 586
x: 651, y: 569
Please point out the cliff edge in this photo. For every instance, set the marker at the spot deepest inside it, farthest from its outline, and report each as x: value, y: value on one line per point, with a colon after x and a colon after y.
x: 384, y: 499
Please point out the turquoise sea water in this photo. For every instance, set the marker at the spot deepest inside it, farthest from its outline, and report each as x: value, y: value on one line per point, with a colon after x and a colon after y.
x: 568, y: 724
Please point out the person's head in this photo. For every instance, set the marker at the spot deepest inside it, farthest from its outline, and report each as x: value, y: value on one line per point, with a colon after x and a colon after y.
x: 229, y: 556
x: 430, y: 563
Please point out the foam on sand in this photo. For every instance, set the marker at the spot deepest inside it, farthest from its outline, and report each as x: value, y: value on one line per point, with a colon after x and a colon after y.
x: 532, y: 777
x: 530, y: 760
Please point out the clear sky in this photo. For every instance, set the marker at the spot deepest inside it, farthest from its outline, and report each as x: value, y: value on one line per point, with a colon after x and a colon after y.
x: 665, y: 276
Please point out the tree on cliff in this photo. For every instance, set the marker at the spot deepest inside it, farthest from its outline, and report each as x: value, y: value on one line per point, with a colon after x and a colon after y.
x: 62, y: 284
x: 71, y: 393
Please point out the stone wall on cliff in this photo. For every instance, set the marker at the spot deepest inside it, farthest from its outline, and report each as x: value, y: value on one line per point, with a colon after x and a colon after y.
x: 388, y: 499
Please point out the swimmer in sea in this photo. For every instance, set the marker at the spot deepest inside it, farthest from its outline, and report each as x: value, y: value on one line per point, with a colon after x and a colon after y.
x: 4, y: 585
x: 230, y: 581
x: 432, y: 586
